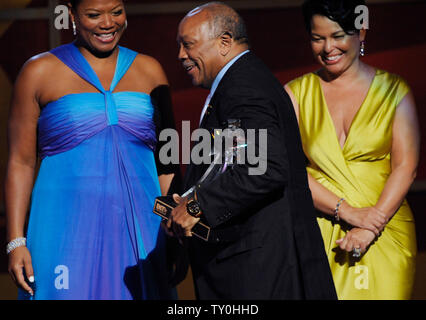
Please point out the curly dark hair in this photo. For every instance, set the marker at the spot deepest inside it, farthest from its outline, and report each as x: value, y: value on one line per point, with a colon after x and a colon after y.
x: 75, y: 3
x: 340, y: 11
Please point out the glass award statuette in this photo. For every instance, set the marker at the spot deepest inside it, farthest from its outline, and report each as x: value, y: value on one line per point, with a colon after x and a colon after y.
x: 224, y: 158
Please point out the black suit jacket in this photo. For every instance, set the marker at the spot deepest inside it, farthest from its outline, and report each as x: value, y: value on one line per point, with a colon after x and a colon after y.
x: 266, y: 242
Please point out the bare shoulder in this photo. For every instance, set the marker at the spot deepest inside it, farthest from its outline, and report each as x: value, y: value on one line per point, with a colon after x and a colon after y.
x: 150, y: 67
x: 37, y: 68
x: 40, y: 63
x: 29, y: 86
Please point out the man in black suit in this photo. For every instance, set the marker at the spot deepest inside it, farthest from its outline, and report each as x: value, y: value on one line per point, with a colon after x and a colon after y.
x: 265, y: 242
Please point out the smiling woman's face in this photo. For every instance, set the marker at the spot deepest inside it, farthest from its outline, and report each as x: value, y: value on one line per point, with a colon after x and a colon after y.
x: 334, y: 49
x: 100, y: 24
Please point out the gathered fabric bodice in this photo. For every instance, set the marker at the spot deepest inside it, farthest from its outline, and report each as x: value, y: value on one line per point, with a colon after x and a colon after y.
x: 66, y: 122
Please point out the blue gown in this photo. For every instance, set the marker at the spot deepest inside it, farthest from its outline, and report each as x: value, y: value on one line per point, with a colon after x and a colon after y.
x: 92, y: 233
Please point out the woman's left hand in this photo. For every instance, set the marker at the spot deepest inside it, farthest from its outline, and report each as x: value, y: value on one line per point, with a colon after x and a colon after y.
x: 356, y: 238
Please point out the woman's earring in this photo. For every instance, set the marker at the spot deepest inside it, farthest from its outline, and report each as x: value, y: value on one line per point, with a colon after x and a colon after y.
x: 125, y: 24
x: 74, y: 28
x: 362, y: 48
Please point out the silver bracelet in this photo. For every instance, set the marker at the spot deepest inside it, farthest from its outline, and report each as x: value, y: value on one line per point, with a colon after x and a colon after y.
x: 336, y: 210
x: 15, y: 243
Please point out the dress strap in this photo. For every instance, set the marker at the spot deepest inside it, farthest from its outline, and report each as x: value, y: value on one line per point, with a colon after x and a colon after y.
x: 124, y: 61
x: 72, y: 57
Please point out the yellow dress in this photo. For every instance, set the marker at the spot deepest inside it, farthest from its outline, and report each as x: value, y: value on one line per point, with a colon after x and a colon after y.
x: 358, y: 173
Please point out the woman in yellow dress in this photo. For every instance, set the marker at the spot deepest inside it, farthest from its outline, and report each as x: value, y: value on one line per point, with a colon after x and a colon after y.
x: 360, y: 134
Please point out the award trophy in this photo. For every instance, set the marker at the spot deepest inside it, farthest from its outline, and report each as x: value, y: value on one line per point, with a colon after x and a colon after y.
x: 224, y: 159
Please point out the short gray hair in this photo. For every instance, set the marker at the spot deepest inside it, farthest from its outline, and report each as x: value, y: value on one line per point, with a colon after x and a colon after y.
x: 224, y: 19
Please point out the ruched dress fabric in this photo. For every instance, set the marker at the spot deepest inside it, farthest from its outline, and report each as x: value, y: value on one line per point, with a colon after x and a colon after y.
x: 358, y: 172
x: 92, y: 233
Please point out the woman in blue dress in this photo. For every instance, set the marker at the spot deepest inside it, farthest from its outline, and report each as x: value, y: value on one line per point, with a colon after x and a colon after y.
x: 87, y: 109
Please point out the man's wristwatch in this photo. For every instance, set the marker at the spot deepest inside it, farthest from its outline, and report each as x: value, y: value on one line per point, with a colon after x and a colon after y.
x: 192, y: 206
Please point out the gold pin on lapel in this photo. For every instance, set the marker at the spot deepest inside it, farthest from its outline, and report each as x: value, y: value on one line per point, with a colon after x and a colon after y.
x: 209, y: 107
x: 215, y: 133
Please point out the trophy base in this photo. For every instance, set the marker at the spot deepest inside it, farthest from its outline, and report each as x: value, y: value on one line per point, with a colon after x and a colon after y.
x: 163, y: 207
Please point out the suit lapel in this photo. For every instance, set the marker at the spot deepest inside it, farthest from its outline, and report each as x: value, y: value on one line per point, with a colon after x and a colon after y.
x: 206, y: 115
x: 193, y: 172
x: 210, y: 121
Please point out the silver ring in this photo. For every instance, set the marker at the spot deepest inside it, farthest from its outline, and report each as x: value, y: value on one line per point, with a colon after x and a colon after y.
x: 356, y: 252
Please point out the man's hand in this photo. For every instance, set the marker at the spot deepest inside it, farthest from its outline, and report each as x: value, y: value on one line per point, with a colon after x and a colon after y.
x: 180, y: 221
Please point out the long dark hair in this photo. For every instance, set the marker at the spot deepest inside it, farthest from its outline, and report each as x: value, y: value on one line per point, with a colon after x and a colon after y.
x: 340, y: 11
